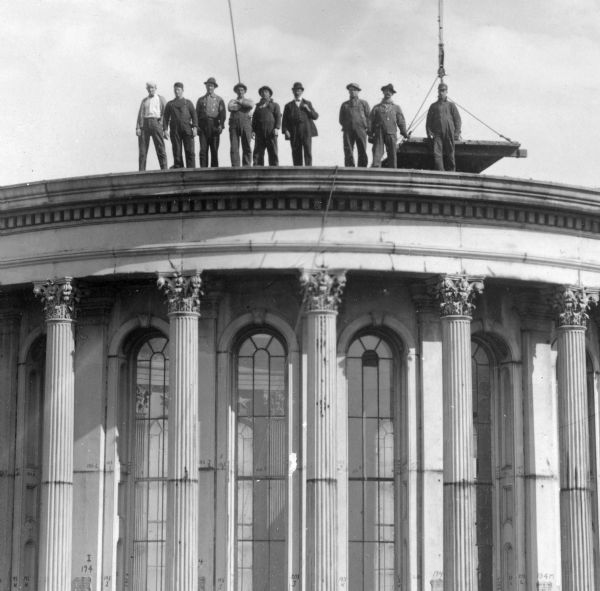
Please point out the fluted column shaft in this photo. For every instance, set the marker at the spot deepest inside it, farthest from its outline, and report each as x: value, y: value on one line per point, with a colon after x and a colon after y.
x: 456, y: 294
x: 575, y: 493
x: 321, y: 483
x: 460, y: 566
x: 322, y: 296
x: 56, y: 511
x: 182, y: 494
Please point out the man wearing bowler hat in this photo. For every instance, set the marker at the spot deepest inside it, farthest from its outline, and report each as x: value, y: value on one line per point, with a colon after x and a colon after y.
x: 240, y: 126
x: 443, y: 128
x: 298, y: 126
x: 354, y: 119
x: 386, y: 118
x: 266, y: 122
x: 180, y: 118
x: 211, y: 119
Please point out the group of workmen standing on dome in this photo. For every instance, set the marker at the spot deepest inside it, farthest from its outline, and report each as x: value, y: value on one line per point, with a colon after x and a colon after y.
x: 179, y: 121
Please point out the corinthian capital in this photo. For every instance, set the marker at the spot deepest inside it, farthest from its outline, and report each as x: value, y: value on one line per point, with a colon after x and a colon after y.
x: 456, y: 294
x: 571, y: 304
x: 58, y: 298
x: 183, y: 291
x: 323, y: 289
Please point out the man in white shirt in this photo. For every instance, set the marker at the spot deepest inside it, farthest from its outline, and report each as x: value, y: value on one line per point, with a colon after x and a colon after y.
x: 150, y: 125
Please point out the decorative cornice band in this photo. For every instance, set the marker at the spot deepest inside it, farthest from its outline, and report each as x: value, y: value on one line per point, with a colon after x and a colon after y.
x: 456, y: 294
x: 183, y: 292
x: 59, y: 298
x: 572, y: 304
x: 323, y: 289
x: 466, y: 208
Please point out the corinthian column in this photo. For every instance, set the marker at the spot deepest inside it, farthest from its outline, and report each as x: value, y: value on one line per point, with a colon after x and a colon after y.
x: 183, y: 296
x: 323, y: 291
x: 575, y: 494
x: 56, y: 512
x: 460, y: 563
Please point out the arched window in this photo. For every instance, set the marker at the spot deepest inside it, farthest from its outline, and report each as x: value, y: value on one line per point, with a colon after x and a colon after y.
x: 593, y: 437
x: 493, y: 418
x: 148, y: 465
x: 261, y: 464
x: 27, y: 514
x: 371, y: 453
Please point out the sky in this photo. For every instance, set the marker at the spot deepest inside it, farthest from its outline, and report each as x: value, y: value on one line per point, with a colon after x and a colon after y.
x: 73, y: 73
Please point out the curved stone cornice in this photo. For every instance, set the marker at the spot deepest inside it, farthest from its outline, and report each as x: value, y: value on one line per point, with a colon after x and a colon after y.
x: 399, y: 193
x: 323, y: 290
x: 58, y: 298
x: 456, y: 294
x: 571, y: 304
x: 183, y: 292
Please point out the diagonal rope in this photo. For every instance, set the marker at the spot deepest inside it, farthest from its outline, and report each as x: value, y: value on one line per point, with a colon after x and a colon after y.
x: 237, y: 63
x: 483, y: 123
x: 410, y: 127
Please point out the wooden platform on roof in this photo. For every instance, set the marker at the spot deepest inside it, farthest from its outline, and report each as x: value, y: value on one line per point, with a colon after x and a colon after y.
x: 471, y: 155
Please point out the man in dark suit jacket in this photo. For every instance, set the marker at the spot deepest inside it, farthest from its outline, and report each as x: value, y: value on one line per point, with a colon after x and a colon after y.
x: 298, y: 126
x: 386, y: 119
x: 181, y: 116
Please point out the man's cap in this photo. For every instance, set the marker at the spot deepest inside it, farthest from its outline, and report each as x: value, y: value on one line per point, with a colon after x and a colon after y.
x: 211, y: 80
x: 389, y: 87
x: 298, y: 85
x: 265, y: 88
x: 442, y: 86
x: 240, y: 85
x: 353, y: 86
x: 178, y: 85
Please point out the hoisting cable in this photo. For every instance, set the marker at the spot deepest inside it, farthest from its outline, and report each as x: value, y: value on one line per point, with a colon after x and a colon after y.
x: 323, y: 224
x: 237, y: 63
x: 441, y: 71
x: 483, y: 123
x: 410, y: 127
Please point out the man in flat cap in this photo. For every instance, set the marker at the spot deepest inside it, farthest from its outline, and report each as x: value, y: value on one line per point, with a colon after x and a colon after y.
x: 150, y: 125
x: 240, y: 126
x: 386, y: 118
x: 354, y: 119
x: 211, y: 119
x: 443, y: 128
x: 180, y: 116
x: 266, y: 122
x: 298, y: 126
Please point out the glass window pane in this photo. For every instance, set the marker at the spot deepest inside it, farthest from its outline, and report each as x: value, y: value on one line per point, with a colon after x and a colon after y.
x: 245, y: 383
x: 277, y: 510
x: 278, y: 448
x: 261, y: 341
x: 371, y: 391
x: 276, y: 348
x: 355, y: 448
x: 385, y: 388
x: 370, y: 447
x: 355, y: 566
x: 355, y: 510
x: 277, y: 402
x: 356, y: 349
x: 261, y: 384
x: 354, y: 377
x: 370, y: 342
x: 277, y: 566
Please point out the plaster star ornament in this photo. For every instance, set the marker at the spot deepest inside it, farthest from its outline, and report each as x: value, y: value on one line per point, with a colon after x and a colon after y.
x: 58, y: 298
x: 183, y: 291
x: 323, y: 289
x: 572, y: 304
x: 457, y: 294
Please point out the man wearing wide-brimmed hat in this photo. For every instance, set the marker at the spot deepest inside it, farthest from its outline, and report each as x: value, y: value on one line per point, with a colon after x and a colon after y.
x: 299, y: 127
x: 386, y: 118
x: 354, y: 119
x: 266, y: 122
x: 211, y: 119
x: 240, y: 126
x: 443, y: 128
